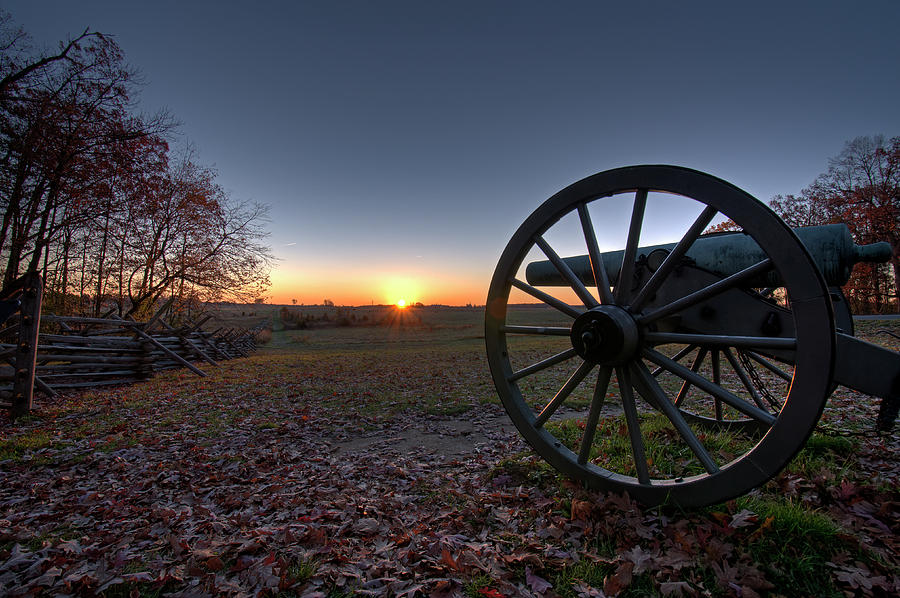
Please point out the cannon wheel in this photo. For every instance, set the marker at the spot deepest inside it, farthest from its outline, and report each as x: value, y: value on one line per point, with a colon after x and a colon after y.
x: 707, y: 474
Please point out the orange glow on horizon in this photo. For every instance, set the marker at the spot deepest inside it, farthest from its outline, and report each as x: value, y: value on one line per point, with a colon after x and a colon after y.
x: 312, y: 285
x: 401, y: 303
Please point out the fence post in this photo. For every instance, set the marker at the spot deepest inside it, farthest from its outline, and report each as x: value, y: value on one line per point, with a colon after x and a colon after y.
x: 26, y: 348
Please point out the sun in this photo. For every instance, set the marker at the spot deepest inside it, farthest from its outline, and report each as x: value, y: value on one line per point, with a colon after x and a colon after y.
x: 400, y: 291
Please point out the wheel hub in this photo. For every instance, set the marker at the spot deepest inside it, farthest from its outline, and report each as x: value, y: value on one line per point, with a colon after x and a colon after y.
x: 606, y: 335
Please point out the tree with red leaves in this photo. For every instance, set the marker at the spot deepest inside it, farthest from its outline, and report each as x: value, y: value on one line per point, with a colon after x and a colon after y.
x: 91, y: 198
x: 861, y: 189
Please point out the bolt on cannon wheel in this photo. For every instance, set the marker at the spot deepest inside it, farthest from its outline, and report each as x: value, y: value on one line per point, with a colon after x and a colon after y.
x: 587, y: 375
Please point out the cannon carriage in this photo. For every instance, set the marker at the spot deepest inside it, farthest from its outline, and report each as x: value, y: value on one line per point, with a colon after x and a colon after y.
x: 689, y: 371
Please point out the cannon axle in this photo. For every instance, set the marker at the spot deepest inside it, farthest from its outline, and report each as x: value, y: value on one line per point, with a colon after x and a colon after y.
x: 605, y: 335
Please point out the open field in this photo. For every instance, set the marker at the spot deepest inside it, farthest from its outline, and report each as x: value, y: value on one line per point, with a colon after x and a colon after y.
x: 375, y: 459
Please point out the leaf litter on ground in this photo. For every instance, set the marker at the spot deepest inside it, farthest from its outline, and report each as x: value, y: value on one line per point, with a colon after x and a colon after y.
x: 317, y: 473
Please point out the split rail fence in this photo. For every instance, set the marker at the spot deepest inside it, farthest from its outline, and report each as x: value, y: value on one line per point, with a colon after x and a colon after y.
x: 81, y: 353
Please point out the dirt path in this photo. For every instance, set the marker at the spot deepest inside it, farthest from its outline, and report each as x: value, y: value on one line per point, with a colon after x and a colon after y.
x: 435, y: 436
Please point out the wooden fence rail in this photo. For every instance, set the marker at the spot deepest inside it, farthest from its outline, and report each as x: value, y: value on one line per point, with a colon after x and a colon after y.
x: 92, y: 352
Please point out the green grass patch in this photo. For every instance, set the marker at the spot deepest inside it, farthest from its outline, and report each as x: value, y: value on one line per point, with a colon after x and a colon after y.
x: 18, y: 447
x: 793, y: 545
x: 667, y: 455
x: 822, y: 452
x: 100, y: 424
x: 60, y: 533
x: 301, y: 571
x: 585, y: 572
x: 518, y: 471
x: 117, y: 442
x: 476, y: 586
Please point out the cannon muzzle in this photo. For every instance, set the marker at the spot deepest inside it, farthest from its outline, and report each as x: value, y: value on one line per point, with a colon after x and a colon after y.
x: 831, y: 246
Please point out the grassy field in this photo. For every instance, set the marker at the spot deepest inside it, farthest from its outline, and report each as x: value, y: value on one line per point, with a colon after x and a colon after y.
x: 374, y: 458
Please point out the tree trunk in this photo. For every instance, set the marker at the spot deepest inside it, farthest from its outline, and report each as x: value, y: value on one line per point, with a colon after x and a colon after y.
x: 895, y: 264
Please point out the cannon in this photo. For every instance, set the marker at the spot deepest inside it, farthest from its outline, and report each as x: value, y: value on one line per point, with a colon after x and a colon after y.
x: 687, y: 371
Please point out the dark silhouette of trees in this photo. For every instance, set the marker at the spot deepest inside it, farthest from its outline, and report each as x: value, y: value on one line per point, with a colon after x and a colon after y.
x: 91, y: 196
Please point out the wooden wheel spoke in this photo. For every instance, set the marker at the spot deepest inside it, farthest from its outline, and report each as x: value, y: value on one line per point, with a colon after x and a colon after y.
x: 598, y: 267
x: 717, y: 380
x: 634, y: 428
x: 626, y: 271
x: 677, y: 357
x: 695, y: 367
x: 564, y: 392
x: 722, y: 340
x: 706, y: 293
x: 563, y: 268
x: 744, y: 378
x: 769, y: 366
x: 674, y: 258
x: 546, y: 298
x: 590, y: 427
x: 715, y: 390
x: 650, y: 386
x: 543, y: 364
x: 538, y: 330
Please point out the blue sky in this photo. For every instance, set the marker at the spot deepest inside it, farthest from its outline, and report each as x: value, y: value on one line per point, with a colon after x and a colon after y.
x: 400, y: 144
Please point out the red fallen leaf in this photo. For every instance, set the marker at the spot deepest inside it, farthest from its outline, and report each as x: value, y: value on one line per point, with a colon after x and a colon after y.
x: 846, y: 490
x: 316, y: 536
x: 448, y: 560
x: 214, y: 564
x: 203, y: 553
x: 619, y: 580
x: 581, y: 510
x: 179, y: 545
x: 442, y: 587
x: 491, y: 593
x: 570, y: 485
x: 242, y: 563
x: 722, y: 518
x: 523, y: 557
x: 762, y: 528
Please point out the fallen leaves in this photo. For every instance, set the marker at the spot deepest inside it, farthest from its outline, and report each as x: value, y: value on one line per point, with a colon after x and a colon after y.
x: 264, y: 481
x: 538, y: 584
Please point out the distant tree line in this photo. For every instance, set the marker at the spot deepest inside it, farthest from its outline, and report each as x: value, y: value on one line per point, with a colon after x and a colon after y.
x: 293, y: 319
x: 93, y: 197
x: 860, y: 188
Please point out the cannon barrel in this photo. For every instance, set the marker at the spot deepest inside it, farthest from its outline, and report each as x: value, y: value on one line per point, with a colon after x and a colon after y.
x: 831, y: 247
